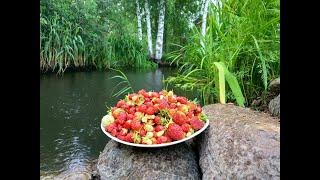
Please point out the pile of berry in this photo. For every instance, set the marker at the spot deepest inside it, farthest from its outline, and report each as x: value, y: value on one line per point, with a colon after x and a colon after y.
x: 153, y: 118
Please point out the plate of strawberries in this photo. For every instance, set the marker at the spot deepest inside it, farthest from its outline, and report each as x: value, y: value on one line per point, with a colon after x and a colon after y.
x: 154, y: 119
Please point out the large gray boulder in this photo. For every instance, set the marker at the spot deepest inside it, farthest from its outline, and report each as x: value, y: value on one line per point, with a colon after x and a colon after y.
x: 239, y: 144
x: 118, y: 161
x: 274, y: 106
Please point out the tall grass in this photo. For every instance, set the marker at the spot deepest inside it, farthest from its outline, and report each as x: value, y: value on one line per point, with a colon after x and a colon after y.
x: 245, y: 38
x: 75, y: 34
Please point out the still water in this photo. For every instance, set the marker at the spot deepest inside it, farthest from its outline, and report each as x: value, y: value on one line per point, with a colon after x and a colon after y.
x: 71, y: 108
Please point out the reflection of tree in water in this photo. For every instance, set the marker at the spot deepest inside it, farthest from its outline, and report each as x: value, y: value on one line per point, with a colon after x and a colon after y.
x: 157, y: 79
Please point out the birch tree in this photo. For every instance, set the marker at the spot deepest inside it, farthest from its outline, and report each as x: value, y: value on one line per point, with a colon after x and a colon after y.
x: 139, y: 20
x: 148, y: 22
x: 204, y: 17
x: 159, y: 41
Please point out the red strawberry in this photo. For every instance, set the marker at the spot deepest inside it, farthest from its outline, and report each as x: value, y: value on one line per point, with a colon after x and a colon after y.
x: 129, y: 137
x: 172, y: 99
x: 173, y: 105
x: 120, y: 103
x: 182, y: 100
x: 147, y: 100
x: 121, y: 137
x: 159, y: 128
x: 148, y: 104
x: 155, y: 94
x: 127, y: 124
x: 190, y: 114
x: 123, y: 132
x: 175, y: 132
x: 111, y: 127
x: 163, y: 104
x: 143, y: 132
x: 121, y: 118
x: 135, y: 125
x: 196, y: 123
x: 157, y: 120
x: 132, y: 110
x: 199, y: 109
x: 150, y: 110
x: 142, y: 108
x: 186, y: 127
x: 162, y: 139
x: 114, y: 132
x: 179, y: 118
x: 130, y: 116
x: 119, y: 127
x: 168, y: 138
x: 116, y: 112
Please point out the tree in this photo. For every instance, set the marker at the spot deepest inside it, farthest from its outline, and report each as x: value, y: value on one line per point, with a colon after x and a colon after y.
x: 159, y: 41
x: 149, y: 35
x: 139, y: 20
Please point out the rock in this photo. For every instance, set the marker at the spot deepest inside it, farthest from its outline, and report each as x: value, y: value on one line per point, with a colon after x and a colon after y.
x: 274, y: 87
x: 78, y: 173
x: 274, y: 106
x: 119, y: 161
x: 239, y: 144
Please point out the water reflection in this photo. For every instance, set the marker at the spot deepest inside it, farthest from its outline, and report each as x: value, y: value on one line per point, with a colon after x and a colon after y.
x: 70, y: 111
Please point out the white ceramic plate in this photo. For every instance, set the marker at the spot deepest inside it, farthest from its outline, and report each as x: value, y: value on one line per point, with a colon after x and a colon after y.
x: 155, y: 145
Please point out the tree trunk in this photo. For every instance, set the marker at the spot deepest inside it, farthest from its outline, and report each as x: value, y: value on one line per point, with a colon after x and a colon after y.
x: 139, y: 21
x: 149, y: 36
x: 204, y: 17
x: 159, y: 42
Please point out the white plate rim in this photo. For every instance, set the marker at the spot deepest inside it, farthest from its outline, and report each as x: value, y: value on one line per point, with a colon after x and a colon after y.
x: 155, y: 145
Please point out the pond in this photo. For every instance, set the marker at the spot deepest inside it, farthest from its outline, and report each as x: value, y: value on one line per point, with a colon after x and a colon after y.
x: 71, y: 108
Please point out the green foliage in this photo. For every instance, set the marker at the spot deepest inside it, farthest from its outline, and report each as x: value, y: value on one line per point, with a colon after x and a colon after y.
x: 124, y: 82
x: 242, y: 34
x: 84, y: 33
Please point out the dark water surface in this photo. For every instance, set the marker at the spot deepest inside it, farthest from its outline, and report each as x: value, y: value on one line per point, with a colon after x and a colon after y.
x: 71, y: 108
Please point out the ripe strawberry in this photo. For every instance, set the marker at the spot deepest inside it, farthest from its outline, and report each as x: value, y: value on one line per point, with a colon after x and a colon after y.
x: 179, y: 118
x: 147, y: 100
x: 148, y: 104
x: 123, y: 132
x: 116, y: 112
x: 130, y: 116
x: 154, y: 140
x: 127, y: 124
x: 121, y: 137
x: 163, y: 104
x: 120, y: 103
x: 111, y: 127
x: 157, y: 120
x: 199, y: 109
x: 129, y: 137
x: 132, y: 110
x: 142, y: 108
x: 143, y: 132
x: 155, y: 94
x: 159, y: 128
x: 168, y: 138
x: 172, y: 99
x: 150, y: 111
x: 173, y: 105
x: 119, y: 127
x: 162, y: 139
x: 182, y: 100
x: 175, y: 132
x: 114, y: 132
x: 196, y: 123
x: 185, y: 127
x: 190, y: 114
x: 135, y: 125
x: 192, y: 106
x: 172, y: 112
x: 121, y: 118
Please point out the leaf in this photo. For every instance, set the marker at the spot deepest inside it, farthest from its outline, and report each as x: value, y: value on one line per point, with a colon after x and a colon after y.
x: 264, y: 69
x: 221, y: 82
